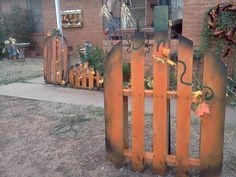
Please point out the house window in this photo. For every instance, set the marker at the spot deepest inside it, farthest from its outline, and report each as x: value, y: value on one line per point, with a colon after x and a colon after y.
x: 35, y: 8
x: 72, y: 18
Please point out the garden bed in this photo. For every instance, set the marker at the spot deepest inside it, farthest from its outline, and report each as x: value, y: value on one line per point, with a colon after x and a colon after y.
x: 39, y: 138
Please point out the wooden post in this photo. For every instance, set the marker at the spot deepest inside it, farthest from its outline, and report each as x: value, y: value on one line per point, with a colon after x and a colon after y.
x: 54, y: 55
x: 184, y: 100
x: 49, y: 61
x: 212, y: 124
x: 114, y: 120
x: 58, y: 61
x: 160, y: 74
x: 77, y: 75
x: 137, y: 92
x: 65, y: 59
x: 84, y: 77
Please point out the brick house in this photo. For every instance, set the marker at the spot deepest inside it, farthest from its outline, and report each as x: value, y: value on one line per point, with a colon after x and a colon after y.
x: 92, y: 29
x: 44, y: 13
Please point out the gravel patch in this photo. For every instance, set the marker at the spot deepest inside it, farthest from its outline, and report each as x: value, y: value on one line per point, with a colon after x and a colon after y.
x: 47, y: 139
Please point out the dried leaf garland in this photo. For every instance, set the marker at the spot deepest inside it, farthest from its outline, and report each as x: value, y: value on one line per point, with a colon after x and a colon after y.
x: 226, y: 34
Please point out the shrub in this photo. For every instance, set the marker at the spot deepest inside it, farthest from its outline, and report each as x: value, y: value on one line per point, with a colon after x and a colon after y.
x: 17, y: 24
x: 126, y: 71
x: 94, y: 56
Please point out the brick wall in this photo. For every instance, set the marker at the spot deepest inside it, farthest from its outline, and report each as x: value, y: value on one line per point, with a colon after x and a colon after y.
x: 92, y: 29
x: 193, y: 15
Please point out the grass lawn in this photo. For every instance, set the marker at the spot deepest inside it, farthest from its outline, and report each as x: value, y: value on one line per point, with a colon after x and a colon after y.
x: 20, y: 71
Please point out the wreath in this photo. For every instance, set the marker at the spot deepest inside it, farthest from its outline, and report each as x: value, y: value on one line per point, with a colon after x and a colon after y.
x: 216, y: 24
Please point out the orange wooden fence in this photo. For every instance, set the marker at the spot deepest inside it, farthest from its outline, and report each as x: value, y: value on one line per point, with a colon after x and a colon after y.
x: 55, y: 60
x: 209, y: 162
x: 80, y: 76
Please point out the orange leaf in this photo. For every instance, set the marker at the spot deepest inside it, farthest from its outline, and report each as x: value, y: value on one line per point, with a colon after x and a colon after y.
x: 162, y: 51
x: 202, y: 109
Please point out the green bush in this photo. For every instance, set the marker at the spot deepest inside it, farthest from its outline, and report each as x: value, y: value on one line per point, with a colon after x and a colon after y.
x: 94, y: 56
x: 126, y: 71
x: 17, y: 24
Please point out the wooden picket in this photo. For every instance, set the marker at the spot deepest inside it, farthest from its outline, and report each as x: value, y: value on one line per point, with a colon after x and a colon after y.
x: 55, y: 60
x: 209, y: 163
x: 80, y: 76
x: 114, y: 115
x: 137, y: 69
x: 184, y: 99
x: 160, y: 100
x: 212, y: 124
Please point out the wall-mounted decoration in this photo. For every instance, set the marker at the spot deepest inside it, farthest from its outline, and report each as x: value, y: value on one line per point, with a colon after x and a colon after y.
x: 72, y: 18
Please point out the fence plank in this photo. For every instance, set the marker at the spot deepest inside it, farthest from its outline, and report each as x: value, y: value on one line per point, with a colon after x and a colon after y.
x: 91, y: 78
x: 76, y: 74
x: 58, y: 61
x: 113, y: 99
x: 65, y: 59
x: 54, y: 55
x: 160, y: 130
x: 79, y: 75
x: 84, y: 77
x: 160, y: 109
x: 212, y: 124
x: 71, y: 78
x: 183, y: 112
x: 49, y: 61
x: 137, y: 92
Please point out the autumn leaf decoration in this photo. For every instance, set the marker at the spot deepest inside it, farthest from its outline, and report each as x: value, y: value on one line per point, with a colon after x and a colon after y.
x: 163, y: 55
x: 199, y: 105
x: 62, y: 83
x: 202, y: 109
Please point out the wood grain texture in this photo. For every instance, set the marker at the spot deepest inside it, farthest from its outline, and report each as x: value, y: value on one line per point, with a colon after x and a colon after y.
x: 71, y: 77
x: 160, y: 125
x: 184, y: 99
x: 65, y: 59
x: 137, y: 101
x: 113, y: 101
x: 54, y: 55
x: 59, y: 61
x: 212, y: 124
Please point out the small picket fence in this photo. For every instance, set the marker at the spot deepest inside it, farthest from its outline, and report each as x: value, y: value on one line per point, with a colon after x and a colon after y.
x: 80, y: 76
x: 55, y: 59
x: 211, y: 135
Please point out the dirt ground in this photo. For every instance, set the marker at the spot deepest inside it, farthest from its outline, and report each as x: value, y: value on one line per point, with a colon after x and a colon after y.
x: 20, y: 70
x: 47, y: 139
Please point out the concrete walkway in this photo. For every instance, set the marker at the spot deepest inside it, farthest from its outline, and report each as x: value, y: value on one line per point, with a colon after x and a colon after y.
x: 38, y: 90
